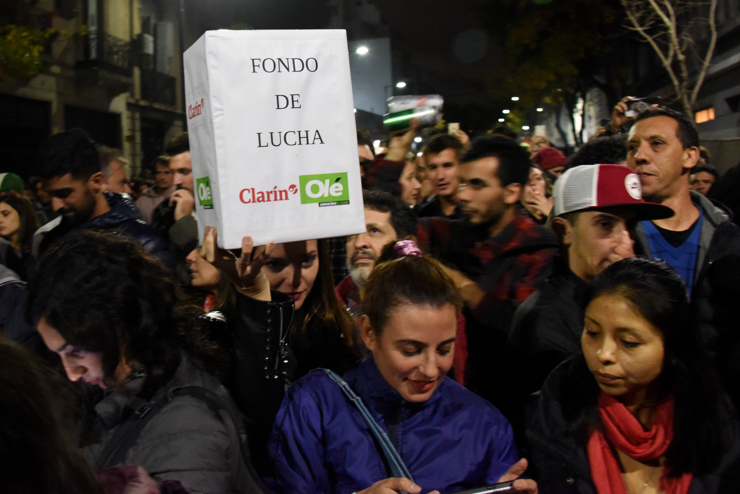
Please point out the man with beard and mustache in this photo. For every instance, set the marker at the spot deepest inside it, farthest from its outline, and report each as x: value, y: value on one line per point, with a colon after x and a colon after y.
x: 69, y: 166
x: 495, y: 256
x: 387, y: 219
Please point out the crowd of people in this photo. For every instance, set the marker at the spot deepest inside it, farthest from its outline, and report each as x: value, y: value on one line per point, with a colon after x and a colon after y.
x: 510, y: 314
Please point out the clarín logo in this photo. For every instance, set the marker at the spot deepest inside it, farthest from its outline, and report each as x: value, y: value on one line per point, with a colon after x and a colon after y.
x: 203, y: 188
x: 250, y: 195
x: 325, y: 189
x: 195, y: 110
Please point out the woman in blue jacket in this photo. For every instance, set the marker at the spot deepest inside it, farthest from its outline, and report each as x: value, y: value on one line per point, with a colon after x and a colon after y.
x: 449, y: 438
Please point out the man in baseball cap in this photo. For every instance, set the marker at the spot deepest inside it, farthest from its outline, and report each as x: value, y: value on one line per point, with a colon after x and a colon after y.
x: 596, y: 208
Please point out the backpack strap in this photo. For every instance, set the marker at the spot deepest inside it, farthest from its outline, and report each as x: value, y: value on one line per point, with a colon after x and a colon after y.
x: 127, y: 433
x: 243, y: 473
x: 397, y: 466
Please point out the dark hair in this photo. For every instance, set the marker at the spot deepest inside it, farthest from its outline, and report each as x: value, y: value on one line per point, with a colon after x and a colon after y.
x: 177, y: 145
x: 606, y: 149
x: 703, y: 426
x: 504, y: 131
x: 440, y: 142
x: 26, y: 215
x: 513, y: 159
x: 705, y: 168
x: 71, y: 152
x: 403, y: 220
x: 38, y: 451
x: 409, y: 280
x: 104, y: 293
x: 322, y: 303
x: 686, y: 132
x: 363, y: 139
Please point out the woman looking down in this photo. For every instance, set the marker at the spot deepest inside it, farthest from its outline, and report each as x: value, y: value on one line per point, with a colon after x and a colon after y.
x: 640, y: 411
x: 449, y: 438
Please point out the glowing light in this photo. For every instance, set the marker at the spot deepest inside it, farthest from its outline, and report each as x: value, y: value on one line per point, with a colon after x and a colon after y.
x: 502, y: 120
x: 515, y: 98
x: 362, y: 50
x: 401, y: 85
x: 540, y: 109
x: 419, y: 153
x: 417, y: 139
x: 525, y: 127
x: 506, y: 112
x: 407, y: 117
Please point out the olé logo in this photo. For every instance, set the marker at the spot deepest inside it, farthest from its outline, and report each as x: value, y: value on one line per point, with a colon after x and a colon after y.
x: 203, y: 188
x: 326, y: 189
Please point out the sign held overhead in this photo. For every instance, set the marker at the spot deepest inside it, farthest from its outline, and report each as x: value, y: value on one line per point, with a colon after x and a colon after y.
x: 272, y: 135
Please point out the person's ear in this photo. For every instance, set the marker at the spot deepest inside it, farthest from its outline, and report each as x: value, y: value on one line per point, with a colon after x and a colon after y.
x: 369, y: 337
x: 512, y: 193
x: 96, y: 182
x: 564, y: 230
x: 691, y: 157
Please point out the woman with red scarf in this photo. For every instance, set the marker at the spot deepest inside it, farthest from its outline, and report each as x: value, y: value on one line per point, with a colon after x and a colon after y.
x: 640, y: 411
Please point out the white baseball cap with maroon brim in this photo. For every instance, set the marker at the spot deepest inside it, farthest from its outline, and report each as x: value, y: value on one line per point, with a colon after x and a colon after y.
x: 596, y: 187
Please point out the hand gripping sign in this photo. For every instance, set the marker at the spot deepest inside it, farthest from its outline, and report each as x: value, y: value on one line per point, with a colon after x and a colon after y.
x: 272, y: 135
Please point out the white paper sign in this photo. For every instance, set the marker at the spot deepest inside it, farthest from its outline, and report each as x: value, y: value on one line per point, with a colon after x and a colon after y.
x: 272, y: 135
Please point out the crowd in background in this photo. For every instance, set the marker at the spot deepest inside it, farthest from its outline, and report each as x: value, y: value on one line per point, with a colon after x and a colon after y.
x: 509, y: 314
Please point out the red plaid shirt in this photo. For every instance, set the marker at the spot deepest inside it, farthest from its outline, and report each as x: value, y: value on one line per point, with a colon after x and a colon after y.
x: 508, y: 267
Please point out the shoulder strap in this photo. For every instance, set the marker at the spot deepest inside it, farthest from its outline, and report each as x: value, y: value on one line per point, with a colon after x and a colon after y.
x: 125, y: 436
x: 396, y: 464
x: 243, y: 474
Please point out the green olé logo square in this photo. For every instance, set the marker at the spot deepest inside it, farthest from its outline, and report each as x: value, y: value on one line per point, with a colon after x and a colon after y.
x: 326, y: 189
x: 203, y: 189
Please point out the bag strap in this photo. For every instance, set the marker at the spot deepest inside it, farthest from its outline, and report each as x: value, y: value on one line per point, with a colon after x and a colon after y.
x: 125, y: 436
x: 396, y: 464
x: 245, y: 477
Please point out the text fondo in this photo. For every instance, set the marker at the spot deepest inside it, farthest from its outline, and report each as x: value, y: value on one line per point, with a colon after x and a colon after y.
x: 280, y: 65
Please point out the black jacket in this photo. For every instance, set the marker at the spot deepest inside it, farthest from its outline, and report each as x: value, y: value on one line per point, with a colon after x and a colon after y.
x: 716, y: 293
x: 124, y: 219
x: 558, y: 459
x: 546, y: 331
x: 270, y: 351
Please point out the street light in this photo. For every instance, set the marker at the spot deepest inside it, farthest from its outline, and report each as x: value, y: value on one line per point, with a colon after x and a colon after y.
x: 515, y: 98
x: 502, y: 120
x: 362, y: 50
x: 401, y: 85
x: 506, y: 112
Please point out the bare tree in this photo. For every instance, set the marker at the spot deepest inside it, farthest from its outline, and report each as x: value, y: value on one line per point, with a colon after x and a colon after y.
x: 674, y: 29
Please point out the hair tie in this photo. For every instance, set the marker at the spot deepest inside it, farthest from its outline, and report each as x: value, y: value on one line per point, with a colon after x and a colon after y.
x: 405, y: 248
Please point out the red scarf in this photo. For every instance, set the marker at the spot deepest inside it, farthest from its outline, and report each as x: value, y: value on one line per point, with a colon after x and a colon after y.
x: 624, y: 432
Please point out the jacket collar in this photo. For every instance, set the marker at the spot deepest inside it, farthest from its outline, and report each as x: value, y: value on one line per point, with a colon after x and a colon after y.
x: 372, y: 387
x: 122, y: 209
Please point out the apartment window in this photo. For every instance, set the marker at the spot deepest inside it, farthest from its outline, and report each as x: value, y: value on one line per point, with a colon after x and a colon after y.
x: 704, y: 115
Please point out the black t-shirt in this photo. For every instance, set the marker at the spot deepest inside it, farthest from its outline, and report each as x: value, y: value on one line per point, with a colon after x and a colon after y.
x: 676, y: 239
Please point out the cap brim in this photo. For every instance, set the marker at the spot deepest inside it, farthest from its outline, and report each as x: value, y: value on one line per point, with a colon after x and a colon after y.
x: 644, y: 210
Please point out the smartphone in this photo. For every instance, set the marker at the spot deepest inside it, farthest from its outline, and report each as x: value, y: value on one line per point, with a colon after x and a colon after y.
x: 500, y: 488
x: 639, y: 105
x: 453, y: 127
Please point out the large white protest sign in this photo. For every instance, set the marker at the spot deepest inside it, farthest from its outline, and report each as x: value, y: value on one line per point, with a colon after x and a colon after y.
x: 272, y: 135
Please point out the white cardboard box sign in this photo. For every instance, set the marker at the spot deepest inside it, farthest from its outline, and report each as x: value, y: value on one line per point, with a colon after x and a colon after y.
x: 272, y: 135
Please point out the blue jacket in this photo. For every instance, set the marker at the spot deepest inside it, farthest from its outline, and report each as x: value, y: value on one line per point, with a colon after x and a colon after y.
x: 321, y: 444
